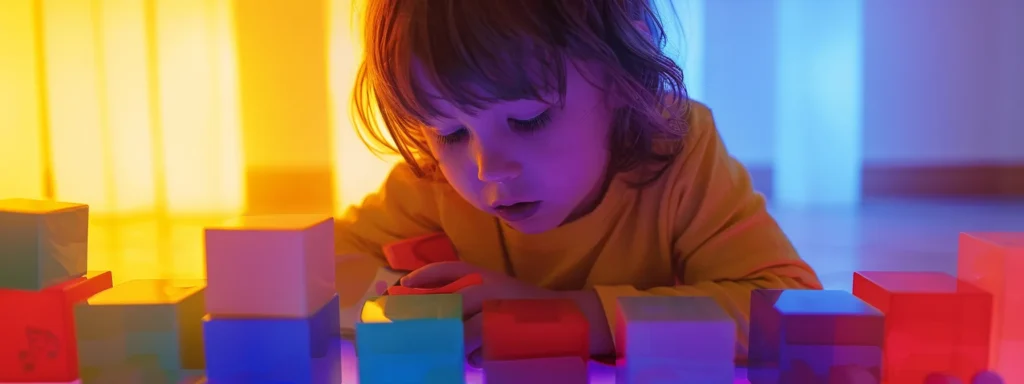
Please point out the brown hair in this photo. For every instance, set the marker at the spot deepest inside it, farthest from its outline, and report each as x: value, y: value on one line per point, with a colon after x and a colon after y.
x: 464, y: 48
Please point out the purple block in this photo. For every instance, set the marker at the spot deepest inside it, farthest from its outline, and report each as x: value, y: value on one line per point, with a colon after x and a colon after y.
x: 561, y: 370
x: 823, y: 359
x: 809, y: 317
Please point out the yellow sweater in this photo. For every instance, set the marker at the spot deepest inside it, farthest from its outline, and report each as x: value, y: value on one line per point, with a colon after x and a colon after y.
x: 700, y: 224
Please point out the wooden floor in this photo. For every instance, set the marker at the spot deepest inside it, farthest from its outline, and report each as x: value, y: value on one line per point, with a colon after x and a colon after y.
x: 894, y: 235
x: 879, y: 235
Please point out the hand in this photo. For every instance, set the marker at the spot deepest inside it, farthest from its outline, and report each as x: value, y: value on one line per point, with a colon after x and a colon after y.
x: 495, y: 286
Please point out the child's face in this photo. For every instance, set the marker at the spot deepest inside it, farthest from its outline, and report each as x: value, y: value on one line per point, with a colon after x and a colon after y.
x: 532, y: 164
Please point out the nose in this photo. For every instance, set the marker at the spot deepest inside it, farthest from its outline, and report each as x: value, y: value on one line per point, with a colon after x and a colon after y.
x: 494, y: 165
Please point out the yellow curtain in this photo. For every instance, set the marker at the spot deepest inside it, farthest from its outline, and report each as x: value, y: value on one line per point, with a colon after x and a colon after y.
x: 163, y: 112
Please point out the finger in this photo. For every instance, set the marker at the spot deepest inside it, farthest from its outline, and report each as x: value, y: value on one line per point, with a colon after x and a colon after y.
x: 472, y: 332
x: 437, y: 274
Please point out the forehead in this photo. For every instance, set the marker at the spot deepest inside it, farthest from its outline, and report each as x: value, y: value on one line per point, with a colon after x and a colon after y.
x: 442, y: 95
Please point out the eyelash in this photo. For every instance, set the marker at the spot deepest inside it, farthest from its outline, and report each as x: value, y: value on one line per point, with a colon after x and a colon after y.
x: 528, y: 126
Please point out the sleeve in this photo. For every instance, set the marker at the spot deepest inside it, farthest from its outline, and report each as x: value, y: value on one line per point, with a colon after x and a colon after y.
x: 404, y: 207
x: 725, y: 242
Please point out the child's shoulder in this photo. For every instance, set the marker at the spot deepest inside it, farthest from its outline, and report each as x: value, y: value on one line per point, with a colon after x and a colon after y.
x: 693, y: 118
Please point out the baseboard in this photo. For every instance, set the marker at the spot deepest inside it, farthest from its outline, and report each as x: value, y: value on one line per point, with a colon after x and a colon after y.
x: 882, y: 180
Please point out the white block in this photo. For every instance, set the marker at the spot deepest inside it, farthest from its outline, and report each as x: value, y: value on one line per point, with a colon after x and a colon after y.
x: 686, y: 328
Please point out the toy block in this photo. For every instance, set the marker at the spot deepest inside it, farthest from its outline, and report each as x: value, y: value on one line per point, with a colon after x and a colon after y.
x: 268, y: 350
x: 934, y: 323
x: 991, y: 261
x: 411, y: 339
x: 160, y: 317
x: 987, y: 377
x: 413, y: 254
x: 305, y: 337
x: 851, y: 374
x: 38, y: 329
x: 941, y: 378
x: 671, y: 370
x: 809, y: 317
x: 561, y: 370
x: 823, y: 359
x: 41, y: 242
x: 531, y: 328
x: 270, y: 266
x: 426, y: 368
x: 135, y: 369
x: 411, y: 324
x: 652, y: 326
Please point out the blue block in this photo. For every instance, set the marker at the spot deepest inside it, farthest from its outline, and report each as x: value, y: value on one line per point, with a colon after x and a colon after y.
x: 422, y: 336
x: 431, y: 368
x: 327, y: 321
x: 411, y: 339
x: 266, y: 350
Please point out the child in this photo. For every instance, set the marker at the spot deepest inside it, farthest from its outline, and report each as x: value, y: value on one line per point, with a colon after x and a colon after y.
x: 554, y: 143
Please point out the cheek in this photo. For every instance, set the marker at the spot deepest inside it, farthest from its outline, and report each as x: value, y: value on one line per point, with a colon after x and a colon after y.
x: 458, y: 168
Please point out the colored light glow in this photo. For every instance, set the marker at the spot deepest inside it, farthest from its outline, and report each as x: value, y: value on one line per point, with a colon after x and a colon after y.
x: 819, y: 102
x: 373, y: 311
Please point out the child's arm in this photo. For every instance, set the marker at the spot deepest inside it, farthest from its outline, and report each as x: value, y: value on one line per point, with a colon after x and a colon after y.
x: 726, y: 243
x: 404, y: 207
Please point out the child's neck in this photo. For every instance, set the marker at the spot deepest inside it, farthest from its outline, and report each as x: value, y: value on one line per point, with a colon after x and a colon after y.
x: 593, y: 200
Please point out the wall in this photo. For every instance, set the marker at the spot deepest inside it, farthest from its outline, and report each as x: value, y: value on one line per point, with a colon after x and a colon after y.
x: 943, y: 85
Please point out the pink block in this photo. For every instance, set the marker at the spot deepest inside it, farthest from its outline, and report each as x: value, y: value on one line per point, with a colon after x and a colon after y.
x: 550, y: 370
x: 270, y: 266
x: 994, y: 261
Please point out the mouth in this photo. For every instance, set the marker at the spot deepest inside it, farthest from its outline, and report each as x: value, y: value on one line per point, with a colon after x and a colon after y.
x: 519, y: 211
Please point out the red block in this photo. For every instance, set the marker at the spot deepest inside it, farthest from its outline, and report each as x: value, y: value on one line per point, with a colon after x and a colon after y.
x: 38, y: 329
x: 550, y: 370
x: 934, y: 323
x: 411, y: 254
x: 994, y: 261
x: 534, y: 328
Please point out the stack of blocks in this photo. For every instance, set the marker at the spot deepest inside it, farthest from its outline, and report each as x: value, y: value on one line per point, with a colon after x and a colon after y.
x: 539, y: 341
x: 43, y: 259
x: 411, y: 339
x: 673, y: 339
x: 803, y: 336
x: 271, y: 304
x: 934, y: 323
x: 993, y: 261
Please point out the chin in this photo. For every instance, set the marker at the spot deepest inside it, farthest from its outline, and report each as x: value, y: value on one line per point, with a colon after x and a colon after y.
x: 530, y: 228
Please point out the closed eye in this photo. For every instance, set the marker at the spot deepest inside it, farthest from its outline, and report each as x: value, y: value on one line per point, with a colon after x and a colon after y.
x: 533, y: 124
x: 453, y: 137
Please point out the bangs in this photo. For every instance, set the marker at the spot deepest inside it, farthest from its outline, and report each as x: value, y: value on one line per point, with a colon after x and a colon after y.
x: 473, y: 53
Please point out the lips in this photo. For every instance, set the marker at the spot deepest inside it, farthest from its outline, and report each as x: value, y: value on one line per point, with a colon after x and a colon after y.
x: 518, y: 211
